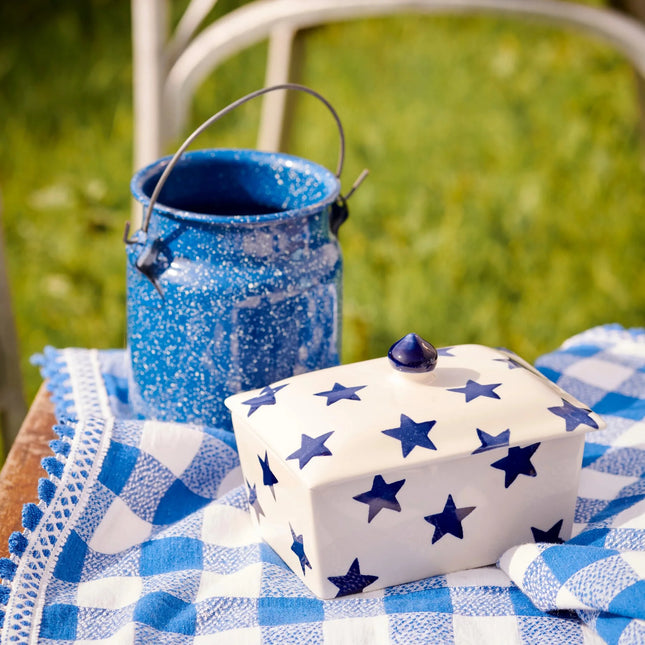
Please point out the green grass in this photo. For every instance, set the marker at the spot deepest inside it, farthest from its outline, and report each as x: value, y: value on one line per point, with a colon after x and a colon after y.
x: 504, y: 204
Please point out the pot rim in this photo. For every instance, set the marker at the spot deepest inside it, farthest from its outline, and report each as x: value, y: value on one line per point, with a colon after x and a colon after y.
x: 327, y: 178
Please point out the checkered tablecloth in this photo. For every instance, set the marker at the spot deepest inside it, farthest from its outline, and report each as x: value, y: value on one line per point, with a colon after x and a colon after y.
x: 142, y: 534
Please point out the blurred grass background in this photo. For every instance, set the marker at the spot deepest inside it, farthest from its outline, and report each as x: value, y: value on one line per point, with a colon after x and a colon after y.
x: 504, y: 205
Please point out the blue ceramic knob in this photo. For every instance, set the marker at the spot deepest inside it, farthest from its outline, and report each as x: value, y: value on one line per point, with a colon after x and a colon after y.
x: 412, y: 354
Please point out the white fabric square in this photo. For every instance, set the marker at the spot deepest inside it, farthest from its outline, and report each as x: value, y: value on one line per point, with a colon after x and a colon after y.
x: 243, y: 636
x: 484, y: 576
x: 598, y: 485
x: 172, y: 444
x: 244, y: 583
x: 565, y: 598
x: 372, y: 630
x: 602, y: 374
x: 227, y: 526
x: 481, y: 630
x: 119, y: 529
x: 109, y: 593
x: 631, y: 518
x: 125, y: 636
x: 636, y: 560
x: 633, y: 437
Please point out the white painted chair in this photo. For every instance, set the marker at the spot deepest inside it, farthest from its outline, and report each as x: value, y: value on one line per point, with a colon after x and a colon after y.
x: 167, y: 71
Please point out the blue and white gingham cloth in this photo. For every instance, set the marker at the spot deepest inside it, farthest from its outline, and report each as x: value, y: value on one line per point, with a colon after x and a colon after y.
x: 142, y: 534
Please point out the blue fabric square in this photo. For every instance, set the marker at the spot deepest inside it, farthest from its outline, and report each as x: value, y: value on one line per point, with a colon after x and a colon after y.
x: 565, y: 561
x: 58, y: 622
x: 592, y: 452
x: 621, y: 406
x: 551, y: 374
x: 421, y: 628
x: 278, y: 611
x: 178, y: 502
x: 434, y: 600
x: 521, y: 603
x: 630, y: 601
x: 166, y: 613
x: 610, y: 627
x: 170, y: 554
x: 69, y: 566
x: 117, y: 466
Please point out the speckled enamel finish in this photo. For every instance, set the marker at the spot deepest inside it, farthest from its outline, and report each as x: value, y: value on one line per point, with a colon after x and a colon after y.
x: 240, y: 246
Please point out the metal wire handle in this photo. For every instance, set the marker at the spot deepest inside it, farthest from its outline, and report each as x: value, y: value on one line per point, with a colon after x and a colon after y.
x: 225, y: 111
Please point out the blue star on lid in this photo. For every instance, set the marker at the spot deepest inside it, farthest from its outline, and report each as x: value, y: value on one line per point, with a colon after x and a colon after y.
x: 299, y: 549
x: 444, y: 351
x: 380, y: 496
x: 266, y: 397
x: 490, y: 442
x: 340, y: 392
x: 511, y: 362
x: 472, y: 390
x: 254, y: 502
x: 517, y: 462
x: 412, y: 434
x: 552, y: 535
x: 573, y: 415
x: 449, y: 520
x: 353, y: 581
x: 311, y: 447
x: 268, y: 478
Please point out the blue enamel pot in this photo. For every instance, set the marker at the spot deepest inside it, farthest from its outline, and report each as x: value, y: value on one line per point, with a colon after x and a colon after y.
x: 234, y: 279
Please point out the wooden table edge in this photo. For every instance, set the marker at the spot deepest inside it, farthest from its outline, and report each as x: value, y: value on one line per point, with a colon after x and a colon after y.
x: 22, y: 469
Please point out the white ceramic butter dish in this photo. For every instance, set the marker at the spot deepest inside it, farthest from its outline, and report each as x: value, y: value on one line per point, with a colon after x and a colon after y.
x: 394, y: 469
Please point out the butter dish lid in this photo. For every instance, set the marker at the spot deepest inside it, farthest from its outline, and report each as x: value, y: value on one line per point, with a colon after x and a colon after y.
x: 417, y: 406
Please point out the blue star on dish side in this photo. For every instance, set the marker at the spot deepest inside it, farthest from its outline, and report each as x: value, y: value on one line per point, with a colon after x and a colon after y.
x: 473, y: 390
x: 254, y: 502
x: 412, y: 434
x: 299, y: 549
x: 449, y: 520
x: 353, y: 581
x: 552, y: 535
x: 490, y: 442
x: 311, y: 447
x: 268, y: 478
x: 573, y: 416
x: 517, y: 462
x: 340, y: 392
x: 266, y: 397
x: 380, y: 496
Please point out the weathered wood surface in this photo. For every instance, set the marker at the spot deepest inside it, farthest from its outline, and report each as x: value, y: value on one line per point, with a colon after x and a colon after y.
x: 22, y: 469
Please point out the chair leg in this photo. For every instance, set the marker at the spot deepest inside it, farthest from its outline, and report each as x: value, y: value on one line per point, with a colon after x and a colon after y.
x: 12, y: 401
x: 284, y: 62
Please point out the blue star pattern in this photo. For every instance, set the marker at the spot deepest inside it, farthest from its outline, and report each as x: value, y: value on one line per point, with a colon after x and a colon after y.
x: 340, y: 392
x: 353, y: 581
x: 511, y: 363
x: 311, y: 447
x: 299, y: 549
x: 444, y: 351
x: 449, y: 520
x: 266, y: 397
x: 573, y: 416
x: 517, y: 462
x: 552, y: 535
x: 473, y: 390
x: 380, y: 496
x: 412, y: 434
x: 268, y: 478
x: 254, y: 502
x: 490, y: 442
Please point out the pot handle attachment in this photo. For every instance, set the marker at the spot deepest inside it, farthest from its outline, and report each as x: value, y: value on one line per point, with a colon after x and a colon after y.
x: 339, y: 210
